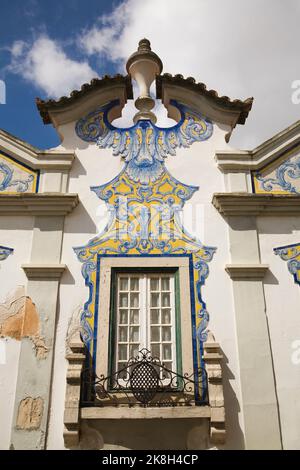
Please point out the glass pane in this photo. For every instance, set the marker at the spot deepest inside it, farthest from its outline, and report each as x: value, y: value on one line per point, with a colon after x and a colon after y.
x: 166, y: 316
x: 154, y: 316
x: 155, y: 336
x: 122, y: 352
x: 124, y: 373
x: 166, y: 333
x: 168, y: 365
x: 134, y: 283
x: 121, y: 364
x: 123, y: 283
x: 165, y: 300
x: 134, y: 317
x: 134, y: 350
x: 123, y: 317
x: 134, y: 334
x: 165, y: 283
x: 167, y: 352
x: 155, y: 350
x: 134, y: 300
x: 154, y: 300
x: 123, y: 334
x: 123, y: 300
x: 154, y: 284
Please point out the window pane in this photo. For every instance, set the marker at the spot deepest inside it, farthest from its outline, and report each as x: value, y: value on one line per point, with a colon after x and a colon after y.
x: 154, y: 284
x: 165, y: 283
x: 123, y: 300
x: 134, y: 317
x: 134, y: 334
x: 134, y: 300
x: 154, y: 316
x: 154, y: 300
x: 155, y: 336
x: 166, y: 316
x: 167, y: 352
x: 165, y: 300
x: 155, y: 350
x: 122, y: 352
x: 124, y: 373
x: 168, y: 365
x: 166, y: 333
x: 123, y: 334
x: 123, y: 317
x: 123, y: 283
x: 134, y: 283
x: 134, y: 350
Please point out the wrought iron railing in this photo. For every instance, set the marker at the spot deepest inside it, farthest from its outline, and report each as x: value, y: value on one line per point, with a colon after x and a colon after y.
x: 144, y: 381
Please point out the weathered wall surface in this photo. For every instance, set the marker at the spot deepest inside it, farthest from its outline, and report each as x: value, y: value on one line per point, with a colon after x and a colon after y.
x: 16, y: 233
x: 282, y: 296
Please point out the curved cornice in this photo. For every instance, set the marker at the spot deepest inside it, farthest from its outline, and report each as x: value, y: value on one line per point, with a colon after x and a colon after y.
x: 46, y: 108
x: 239, y: 108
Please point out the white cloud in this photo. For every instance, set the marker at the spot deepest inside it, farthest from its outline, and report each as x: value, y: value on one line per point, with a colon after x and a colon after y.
x: 239, y: 48
x: 46, y: 65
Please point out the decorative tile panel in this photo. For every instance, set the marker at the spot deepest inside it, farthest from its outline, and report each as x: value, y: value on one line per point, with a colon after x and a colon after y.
x: 291, y: 254
x: 144, y: 203
x: 5, y: 252
x: 16, y: 177
x: 279, y: 177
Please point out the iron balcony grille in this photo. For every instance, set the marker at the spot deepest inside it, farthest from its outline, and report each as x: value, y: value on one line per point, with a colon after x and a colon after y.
x: 144, y: 381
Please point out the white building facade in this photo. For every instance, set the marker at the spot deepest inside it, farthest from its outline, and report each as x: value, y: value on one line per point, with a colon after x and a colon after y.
x: 149, y: 277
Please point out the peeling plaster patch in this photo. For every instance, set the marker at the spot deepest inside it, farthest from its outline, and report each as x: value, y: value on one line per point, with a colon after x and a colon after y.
x: 19, y: 319
x: 30, y: 413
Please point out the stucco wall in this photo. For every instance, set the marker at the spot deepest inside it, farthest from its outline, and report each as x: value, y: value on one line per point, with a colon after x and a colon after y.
x: 282, y: 309
x: 16, y: 233
x: 193, y: 166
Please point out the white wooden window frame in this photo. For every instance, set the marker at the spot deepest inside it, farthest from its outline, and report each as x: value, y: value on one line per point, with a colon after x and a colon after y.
x: 145, y: 315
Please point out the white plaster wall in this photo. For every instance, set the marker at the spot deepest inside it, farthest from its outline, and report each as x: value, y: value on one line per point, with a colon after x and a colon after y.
x: 9, y: 359
x: 195, y: 166
x: 16, y: 233
x: 283, y: 311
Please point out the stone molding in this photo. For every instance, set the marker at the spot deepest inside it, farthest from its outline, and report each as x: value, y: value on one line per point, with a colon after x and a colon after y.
x: 76, y: 360
x: 44, y: 271
x: 247, y: 271
x: 32, y: 156
x: 38, y: 204
x: 213, y: 358
x: 245, y: 204
x: 265, y: 153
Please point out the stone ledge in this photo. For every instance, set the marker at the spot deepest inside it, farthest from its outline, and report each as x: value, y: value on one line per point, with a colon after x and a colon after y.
x: 247, y: 271
x: 257, y: 204
x: 44, y: 271
x: 38, y: 204
x: 123, y: 412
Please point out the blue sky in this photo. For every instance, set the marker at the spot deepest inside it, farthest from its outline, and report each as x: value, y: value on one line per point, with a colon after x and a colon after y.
x: 26, y: 20
x: 240, y: 48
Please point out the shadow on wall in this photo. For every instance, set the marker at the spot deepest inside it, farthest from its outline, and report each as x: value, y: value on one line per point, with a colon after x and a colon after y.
x: 278, y: 225
x: 234, y: 433
x: 151, y: 434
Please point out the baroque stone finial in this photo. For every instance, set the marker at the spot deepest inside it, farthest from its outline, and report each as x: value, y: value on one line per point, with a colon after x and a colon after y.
x: 143, y: 65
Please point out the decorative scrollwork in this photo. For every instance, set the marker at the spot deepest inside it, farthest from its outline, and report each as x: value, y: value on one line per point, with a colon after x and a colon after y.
x: 144, y: 381
x: 144, y: 146
x: 20, y: 186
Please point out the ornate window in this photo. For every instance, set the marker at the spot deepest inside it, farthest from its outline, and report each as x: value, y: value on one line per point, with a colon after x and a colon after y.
x: 145, y: 316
